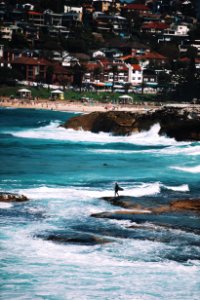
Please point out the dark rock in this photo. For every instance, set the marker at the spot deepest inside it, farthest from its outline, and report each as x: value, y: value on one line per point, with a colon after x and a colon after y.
x: 10, y: 197
x: 116, y: 213
x: 183, y: 124
x: 82, y: 239
x: 122, y: 201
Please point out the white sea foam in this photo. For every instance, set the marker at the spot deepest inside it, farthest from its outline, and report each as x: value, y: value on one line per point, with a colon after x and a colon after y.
x: 187, y: 150
x: 137, y: 190
x: 54, y: 132
x: 194, y: 170
x: 5, y: 205
x: 45, y: 192
x: 180, y: 188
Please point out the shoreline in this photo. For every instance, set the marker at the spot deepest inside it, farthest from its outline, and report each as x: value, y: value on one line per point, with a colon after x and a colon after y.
x: 74, y: 106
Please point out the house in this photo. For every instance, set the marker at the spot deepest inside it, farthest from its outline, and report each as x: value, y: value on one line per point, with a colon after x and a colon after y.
x: 105, y: 74
x: 138, y: 8
x: 135, y: 74
x: 146, y: 59
x: 154, y: 27
x: 32, y: 69
x: 150, y: 80
x: 77, y: 10
x: 94, y: 72
x: 115, y: 73
x: 36, y: 18
x: 61, y: 75
x: 71, y: 19
x: 51, y: 18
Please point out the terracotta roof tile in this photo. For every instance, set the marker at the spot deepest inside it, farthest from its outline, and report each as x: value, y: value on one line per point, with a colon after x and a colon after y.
x: 137, y: 7
x: 30, y: 61
x: 136, y: 67
x: 155, y: 25
x: 34, y: 13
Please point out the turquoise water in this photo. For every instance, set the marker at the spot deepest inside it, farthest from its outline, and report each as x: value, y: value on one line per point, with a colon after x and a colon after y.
x: 65, y: 173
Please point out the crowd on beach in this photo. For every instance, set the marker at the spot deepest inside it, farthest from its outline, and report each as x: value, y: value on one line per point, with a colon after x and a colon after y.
x: 76, y: 106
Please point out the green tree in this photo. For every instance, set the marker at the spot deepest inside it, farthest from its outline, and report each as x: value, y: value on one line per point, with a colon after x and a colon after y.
x: 78, y: 72
x: 114, y: 70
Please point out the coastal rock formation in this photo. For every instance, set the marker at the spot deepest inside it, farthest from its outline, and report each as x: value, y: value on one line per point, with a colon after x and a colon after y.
x: 181, y: 123
x: 188, y: 205
x: 10, y: 197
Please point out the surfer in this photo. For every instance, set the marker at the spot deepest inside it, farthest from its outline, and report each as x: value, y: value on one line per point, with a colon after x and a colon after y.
x: 117, y: 188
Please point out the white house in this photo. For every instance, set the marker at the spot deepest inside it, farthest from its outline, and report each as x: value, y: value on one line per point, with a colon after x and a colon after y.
x: 135, y: 74
x: 182, y: 29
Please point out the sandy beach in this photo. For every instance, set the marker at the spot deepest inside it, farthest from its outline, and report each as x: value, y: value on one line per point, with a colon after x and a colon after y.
x: 73, y: 106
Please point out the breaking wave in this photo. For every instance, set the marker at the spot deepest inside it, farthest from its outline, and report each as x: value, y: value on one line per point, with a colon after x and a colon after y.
x: 54, y: 132
x: 194, y: 170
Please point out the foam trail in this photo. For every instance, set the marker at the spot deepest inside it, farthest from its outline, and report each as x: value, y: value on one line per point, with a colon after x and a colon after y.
x: 193, y: 170
x: 54, y: 132
x: 190, y: 150
x: 5, y: 205
x: 181, y: 188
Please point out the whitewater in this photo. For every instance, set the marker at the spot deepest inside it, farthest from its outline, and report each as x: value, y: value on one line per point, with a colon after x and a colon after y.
x: 46, y: 249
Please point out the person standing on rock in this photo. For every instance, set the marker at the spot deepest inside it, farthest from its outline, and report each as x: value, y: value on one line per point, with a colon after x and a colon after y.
x: 117, y: 188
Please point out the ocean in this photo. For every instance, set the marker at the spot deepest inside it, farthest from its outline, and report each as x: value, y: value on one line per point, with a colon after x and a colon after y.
x: 53, y: 248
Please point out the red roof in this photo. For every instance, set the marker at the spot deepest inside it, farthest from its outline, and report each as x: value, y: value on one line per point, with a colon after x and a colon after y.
x: 34, y: 13
x: 141, y: 7
x: 30, y: 61
x: 126, y: 57
x: 136, y: 67
x: 151, y: 55
x: 148, y: 55
x: 58, y: 69
x: 155, y: 25
x: 187, y: 60
x: 91, y: 66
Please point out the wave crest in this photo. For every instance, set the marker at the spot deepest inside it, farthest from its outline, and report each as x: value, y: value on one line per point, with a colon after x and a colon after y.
x: 54, y: 132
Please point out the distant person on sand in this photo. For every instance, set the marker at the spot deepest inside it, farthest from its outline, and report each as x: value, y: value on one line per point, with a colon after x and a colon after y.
x: 117, y: 188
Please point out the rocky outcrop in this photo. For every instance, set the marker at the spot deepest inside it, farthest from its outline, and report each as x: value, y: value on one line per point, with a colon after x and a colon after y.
x: 183, y: 124
x: 9, y: 197
x: 189, y: 205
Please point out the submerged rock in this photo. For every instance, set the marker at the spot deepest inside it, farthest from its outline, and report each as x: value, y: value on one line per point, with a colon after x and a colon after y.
x: 82, y: 239
x: 10, y: 197
x: 183, y: 124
